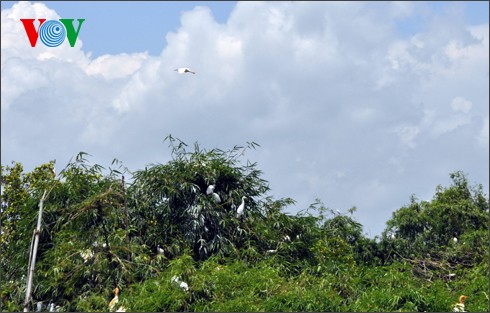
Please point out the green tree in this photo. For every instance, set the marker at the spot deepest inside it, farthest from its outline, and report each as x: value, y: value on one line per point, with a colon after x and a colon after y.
x: 430, y: 227
x: 20, y: 197
x: 170, y: 205
x: 101, y: 231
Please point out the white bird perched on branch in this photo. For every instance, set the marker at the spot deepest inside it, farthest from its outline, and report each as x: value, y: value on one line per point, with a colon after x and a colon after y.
x: 86, y: 255
x: 216, y: 197
x: 182, y: 284
x: 241, y: 208
x: 210, y: 191
x: 53, y: 307
x: 96, y: 244
x: 160, y: 250
x: 182, y: 70
x: 459, y: 307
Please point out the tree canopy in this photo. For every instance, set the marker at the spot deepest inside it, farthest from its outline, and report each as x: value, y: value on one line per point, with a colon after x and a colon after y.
x: 147, y: 230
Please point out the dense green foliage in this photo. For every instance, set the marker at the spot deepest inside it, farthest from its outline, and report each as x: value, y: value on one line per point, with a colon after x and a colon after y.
x: 101, y: 230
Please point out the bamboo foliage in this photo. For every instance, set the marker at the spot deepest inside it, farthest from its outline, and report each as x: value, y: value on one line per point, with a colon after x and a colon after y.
x: 97, y: 229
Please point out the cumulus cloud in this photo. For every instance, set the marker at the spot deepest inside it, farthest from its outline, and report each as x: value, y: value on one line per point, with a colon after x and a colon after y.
x: 461, y: 104
x: 483, y: 135
x: 344, y: 107
x: 109, y: 66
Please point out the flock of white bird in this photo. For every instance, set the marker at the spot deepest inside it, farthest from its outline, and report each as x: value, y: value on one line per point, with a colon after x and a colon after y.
x: 182, y: 284
x: 458, y: 307
x: 210, y: 191
x: 51, y: 307
x: 88, y: 253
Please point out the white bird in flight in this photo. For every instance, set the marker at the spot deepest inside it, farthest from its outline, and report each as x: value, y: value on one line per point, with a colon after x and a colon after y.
x: 182, y: 70
x: 241, y: 208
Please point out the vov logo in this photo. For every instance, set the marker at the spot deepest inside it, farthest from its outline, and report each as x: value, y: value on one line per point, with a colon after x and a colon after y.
x: 52, y: 33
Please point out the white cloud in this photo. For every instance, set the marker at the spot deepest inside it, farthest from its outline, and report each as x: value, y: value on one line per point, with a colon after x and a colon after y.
x: 109, y: 66
x: 483, y: 135
x: 448, y: 124
x: 408, y: 134
x: 401, y: 9
x: 15, y: 43
x: 461, y: 104
x: 330, y: 90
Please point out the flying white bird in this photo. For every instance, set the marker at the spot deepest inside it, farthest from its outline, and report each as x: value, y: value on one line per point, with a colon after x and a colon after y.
x: 183, y: 70
x: 459, y: 307
x: 241, y: 208
x: 182, y: 284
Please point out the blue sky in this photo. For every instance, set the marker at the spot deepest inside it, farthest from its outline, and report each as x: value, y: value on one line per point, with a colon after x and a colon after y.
x: 130, y: 26
x: 355, y: 103
x: 137, y: 26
